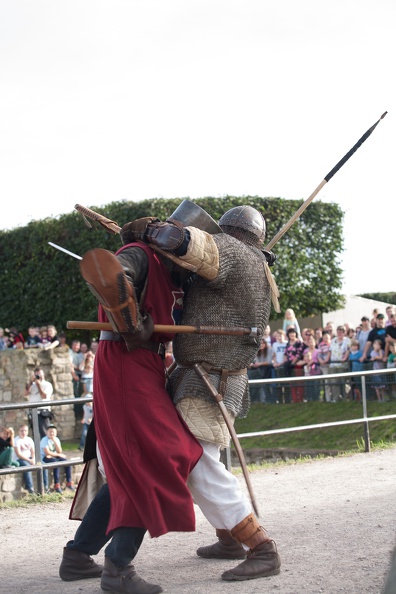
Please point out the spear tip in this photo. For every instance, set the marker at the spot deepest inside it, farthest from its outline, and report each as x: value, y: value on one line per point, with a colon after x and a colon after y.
x: 383, y: 115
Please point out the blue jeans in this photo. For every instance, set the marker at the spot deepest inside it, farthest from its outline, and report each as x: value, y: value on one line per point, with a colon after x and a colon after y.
x: 56, y: 472
x: 83, y: 435
x: 91, y: 535
x: 27, y: 476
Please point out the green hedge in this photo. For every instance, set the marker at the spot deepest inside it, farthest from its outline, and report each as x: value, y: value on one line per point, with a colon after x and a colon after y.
x: 42, y: 285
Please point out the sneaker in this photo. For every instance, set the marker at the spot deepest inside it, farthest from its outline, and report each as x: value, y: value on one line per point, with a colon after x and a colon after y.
x: 70, y: 486
x: 57, y: 488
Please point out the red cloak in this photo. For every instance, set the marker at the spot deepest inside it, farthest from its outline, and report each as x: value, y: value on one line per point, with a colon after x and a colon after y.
x: 147, y: 450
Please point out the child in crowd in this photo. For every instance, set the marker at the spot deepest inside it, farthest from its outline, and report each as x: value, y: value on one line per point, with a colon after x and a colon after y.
x: 87, y: 369
x: 324, y: 353
x: 355, y: 365
x: 377, y: 357
x: 51, y: 451
x: 33, y: 338
x: 318, y: 333
x: 261, y: 368
x: 278, y: 348
x: 3, y: 340
x: 290, y: 321
x: 44, y: 339
x: 278, y: 357
x: 311, y: 367
x: 391, y: 362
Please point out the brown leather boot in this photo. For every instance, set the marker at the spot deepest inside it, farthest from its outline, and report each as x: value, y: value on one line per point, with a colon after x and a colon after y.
x: 125, y: 580
x: 77, y: 565
x: 225, y: 548
x: 263, y: 559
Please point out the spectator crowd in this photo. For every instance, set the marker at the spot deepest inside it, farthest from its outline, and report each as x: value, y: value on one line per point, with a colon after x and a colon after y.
x: 19, y: 450
x: 292, y: 352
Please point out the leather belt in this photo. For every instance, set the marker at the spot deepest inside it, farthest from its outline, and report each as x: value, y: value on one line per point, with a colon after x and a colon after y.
x: 149, y: 345
x: 215, y: 370
x: 107, y: 335
x: 223, y: 373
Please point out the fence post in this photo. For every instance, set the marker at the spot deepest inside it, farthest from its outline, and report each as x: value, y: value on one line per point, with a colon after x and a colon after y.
x: 225, y: 457
x: 36, y: 439
x: 365, y: 423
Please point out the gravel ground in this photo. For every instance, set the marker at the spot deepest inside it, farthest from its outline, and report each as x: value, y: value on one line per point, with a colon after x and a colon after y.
x: 333, y: 520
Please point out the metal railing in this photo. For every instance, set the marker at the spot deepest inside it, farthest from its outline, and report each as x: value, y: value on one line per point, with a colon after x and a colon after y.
x: 365, y: 420
x: 40, y: 467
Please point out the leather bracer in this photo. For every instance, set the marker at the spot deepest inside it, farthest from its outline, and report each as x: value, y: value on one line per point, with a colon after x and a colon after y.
x: 166, y: 236
x: 107, y: 280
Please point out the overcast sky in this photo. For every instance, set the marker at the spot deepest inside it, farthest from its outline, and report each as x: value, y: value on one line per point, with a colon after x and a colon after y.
x: 105, y: 100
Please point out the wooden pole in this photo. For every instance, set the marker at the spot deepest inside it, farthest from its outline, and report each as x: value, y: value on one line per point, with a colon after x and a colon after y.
x: 76, y: 325
x: 327, y: 178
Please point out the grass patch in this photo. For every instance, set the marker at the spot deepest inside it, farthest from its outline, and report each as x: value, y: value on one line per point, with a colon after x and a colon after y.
x: 264, y: 417
x: 30, y: 500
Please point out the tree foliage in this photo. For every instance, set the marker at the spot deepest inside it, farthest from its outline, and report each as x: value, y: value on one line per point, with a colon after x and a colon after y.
x: 42, y: 285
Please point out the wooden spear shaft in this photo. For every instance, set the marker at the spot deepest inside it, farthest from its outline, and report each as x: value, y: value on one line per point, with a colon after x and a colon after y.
x: 112, y: 227
x: 324, y: 181
x: 235, y: 331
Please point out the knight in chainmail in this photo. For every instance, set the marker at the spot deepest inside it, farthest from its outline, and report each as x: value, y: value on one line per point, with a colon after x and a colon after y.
x: 232, y: 288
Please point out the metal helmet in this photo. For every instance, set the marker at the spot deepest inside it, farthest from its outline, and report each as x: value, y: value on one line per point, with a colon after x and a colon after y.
x: 190, y: 214
x: 246, y: 223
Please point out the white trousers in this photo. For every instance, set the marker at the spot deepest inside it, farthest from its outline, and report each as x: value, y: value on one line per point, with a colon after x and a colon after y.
x: 216, y: 491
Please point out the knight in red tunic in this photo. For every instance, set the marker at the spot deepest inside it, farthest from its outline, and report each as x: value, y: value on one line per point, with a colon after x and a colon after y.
x: 146, y: 448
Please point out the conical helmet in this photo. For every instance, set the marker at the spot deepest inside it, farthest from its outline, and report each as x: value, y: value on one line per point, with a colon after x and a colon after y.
x: 191, y: 215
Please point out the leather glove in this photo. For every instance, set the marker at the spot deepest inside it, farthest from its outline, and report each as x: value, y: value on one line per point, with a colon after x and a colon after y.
x: 136, y: 230
x: 270, y: 257
x: 133, y: 341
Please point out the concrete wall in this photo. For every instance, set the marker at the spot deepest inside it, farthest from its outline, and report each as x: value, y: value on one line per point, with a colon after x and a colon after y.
x: 355, y: 308
x: 16, y: 367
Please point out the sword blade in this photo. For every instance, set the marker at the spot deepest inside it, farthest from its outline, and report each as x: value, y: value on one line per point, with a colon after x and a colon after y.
x: 61, y: 249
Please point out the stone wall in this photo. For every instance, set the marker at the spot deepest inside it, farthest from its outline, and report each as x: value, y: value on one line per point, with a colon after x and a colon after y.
x: 16, y: 368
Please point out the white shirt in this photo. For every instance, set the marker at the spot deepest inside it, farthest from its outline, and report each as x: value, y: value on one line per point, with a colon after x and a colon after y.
x: 279, y: 350
x: 25, y: 444
x: 35, y: 396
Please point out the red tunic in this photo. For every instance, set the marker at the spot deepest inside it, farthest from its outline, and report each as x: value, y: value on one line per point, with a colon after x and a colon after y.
x: 147, y: 450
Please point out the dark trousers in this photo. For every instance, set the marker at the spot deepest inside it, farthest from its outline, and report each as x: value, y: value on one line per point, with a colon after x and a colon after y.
x: 91, y: 535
